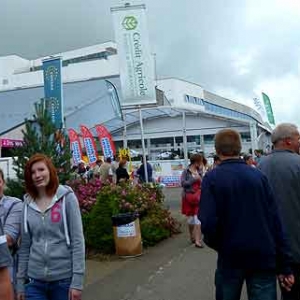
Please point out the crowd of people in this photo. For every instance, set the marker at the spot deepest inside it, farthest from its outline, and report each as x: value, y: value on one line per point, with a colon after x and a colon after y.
x: 247, y: 210
x: 111, y: 171
x: 244, y: 208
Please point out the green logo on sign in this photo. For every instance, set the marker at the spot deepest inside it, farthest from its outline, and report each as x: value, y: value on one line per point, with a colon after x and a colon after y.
x: 130, y: 23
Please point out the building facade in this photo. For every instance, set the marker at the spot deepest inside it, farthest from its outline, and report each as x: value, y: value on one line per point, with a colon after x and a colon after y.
x: 186, y: 115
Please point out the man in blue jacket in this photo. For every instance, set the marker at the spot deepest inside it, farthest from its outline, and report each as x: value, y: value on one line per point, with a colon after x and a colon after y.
x: 240, y: 220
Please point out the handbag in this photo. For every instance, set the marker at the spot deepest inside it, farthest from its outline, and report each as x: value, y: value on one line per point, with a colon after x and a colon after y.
x: 193, y: 198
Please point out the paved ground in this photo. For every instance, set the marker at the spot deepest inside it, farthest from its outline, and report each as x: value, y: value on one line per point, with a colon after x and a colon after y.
x: 173, y: 270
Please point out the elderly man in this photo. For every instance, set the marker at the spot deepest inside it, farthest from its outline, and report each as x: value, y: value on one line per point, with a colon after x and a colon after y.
x: 240, y: 220
x: 282, y: 167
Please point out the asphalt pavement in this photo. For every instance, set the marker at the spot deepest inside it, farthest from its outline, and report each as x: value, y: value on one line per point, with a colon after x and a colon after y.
x: 172, y: 270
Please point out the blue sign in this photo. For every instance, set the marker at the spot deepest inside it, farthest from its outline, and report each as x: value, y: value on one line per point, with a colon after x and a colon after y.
x: 107, y: 151
x: 53, y: 90
x: 90, y: 151
x: 76, y: 152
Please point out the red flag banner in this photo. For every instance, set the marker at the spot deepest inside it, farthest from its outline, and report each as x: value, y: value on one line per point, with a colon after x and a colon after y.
x: 106, y: 141
x: 89, y: 144
x: 75, y: 146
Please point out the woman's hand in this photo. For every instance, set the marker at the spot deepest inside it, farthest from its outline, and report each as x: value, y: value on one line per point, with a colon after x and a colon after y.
x: 73, y: 294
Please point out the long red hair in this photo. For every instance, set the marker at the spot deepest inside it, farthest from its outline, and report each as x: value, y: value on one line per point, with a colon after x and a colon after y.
x: 29, y: 185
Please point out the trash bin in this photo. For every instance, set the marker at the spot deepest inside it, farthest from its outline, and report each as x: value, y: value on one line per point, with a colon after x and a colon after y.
x: 127, y: 234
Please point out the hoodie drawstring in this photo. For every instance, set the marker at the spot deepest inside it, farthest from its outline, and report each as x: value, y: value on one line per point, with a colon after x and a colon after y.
x: 65, y: 221
x: 25, y: 218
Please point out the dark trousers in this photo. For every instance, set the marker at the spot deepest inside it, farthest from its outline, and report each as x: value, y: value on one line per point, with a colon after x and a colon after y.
x: 261, y: 285
x: 41, y: 290
x: 294, y: 294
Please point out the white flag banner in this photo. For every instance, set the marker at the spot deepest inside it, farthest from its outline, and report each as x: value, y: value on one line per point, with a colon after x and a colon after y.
x: 136, y: 63
x: 259, y: 107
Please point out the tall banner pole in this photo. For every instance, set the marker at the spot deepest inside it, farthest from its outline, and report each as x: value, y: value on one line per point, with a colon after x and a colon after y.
x: 185, y: 152
x: 135, y: 60
x: 53, y: 90
x: 143, y: 146
x: 124, y: 132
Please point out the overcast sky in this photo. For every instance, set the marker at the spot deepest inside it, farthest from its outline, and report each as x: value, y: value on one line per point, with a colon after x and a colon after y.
x: 236, y: 48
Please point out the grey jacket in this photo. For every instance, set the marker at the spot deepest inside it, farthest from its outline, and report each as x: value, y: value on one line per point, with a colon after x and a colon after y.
x: 5, y: 257
x: 10, y: 214
x: 52, y: 243
x: 282, y: 168
x: 187, y: 181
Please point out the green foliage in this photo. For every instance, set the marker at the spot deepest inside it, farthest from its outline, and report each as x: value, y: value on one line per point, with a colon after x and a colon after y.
x: 147, y: 200
x: 40, y: 136
x: 98, y: 230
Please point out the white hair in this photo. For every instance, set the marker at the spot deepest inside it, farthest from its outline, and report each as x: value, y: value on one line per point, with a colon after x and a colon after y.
x: 283, y: 131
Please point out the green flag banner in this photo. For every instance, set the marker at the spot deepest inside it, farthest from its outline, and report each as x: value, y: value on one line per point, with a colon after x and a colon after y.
x: 268, y: 108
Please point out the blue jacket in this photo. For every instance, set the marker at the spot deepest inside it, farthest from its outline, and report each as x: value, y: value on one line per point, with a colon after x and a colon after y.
x: 240, y: 219
x: 141, y: 172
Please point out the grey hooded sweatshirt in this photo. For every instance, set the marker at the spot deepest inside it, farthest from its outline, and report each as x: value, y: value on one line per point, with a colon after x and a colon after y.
x: 52, y: 243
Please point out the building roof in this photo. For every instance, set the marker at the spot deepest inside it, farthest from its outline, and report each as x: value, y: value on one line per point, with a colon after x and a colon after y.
x: 85, y: 102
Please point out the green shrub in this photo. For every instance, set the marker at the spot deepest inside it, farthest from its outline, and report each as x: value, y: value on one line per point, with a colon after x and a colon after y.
x: 156, y: 221
x: 97, y: 223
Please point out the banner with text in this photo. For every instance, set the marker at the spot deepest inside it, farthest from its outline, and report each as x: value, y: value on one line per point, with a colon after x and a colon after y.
x: 53, y: 90
x: 136, y: 62
x: 106, y: 142
x: 268, y: 107
x: 75, y: 146
x: 89, y: 145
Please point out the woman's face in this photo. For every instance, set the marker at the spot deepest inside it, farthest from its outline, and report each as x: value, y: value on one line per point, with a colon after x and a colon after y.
x: 198, y: 164
x: 40, y: 175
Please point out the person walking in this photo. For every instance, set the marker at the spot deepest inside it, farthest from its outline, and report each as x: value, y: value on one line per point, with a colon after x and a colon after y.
x: 10, y: 215
x: 52, y: 251
x: 105, y: 171
x: 191, y: 184
x: 121, y: 172
x: 282, y: 168
x: 241, y: 221
x: 6, y: 289
x: 141, y: 171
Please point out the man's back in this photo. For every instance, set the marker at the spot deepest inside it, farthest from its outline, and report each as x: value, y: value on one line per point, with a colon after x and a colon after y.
x: 105, y: 171
x: 245, y: 229
x: 282, y: 168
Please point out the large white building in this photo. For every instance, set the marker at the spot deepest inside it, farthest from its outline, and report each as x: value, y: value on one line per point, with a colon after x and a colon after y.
x: 183, y: 108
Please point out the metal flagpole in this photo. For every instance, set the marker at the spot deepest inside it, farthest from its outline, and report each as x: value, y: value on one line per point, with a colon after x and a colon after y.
x: 143, y: 145
x: 185, y: 153
x: 124, y: 132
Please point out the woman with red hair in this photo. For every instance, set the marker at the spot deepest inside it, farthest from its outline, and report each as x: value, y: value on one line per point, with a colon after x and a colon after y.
x: 52, y: 251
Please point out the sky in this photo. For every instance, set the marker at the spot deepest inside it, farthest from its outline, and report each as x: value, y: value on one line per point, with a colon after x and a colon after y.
x: 235, y: 48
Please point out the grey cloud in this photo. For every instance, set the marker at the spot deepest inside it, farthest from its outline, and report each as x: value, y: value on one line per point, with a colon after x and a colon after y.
x: 194, y: 40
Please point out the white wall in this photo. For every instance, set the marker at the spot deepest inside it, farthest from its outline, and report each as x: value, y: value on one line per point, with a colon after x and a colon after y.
x: 12, y: 63
x: 176, y: 89
x: 73, y: 72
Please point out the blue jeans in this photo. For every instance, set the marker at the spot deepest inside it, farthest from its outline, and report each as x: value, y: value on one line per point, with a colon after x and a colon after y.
x: 261, y: 285
x: 42, y: 290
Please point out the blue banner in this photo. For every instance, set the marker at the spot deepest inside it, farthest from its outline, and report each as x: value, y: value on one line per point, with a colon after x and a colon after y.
x: 53, y: 90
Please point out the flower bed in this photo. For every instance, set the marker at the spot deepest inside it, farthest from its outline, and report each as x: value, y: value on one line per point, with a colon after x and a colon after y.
x: 99, y: 203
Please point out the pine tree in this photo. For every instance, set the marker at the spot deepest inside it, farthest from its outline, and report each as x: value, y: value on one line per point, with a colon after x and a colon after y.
x: 40, y: 136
